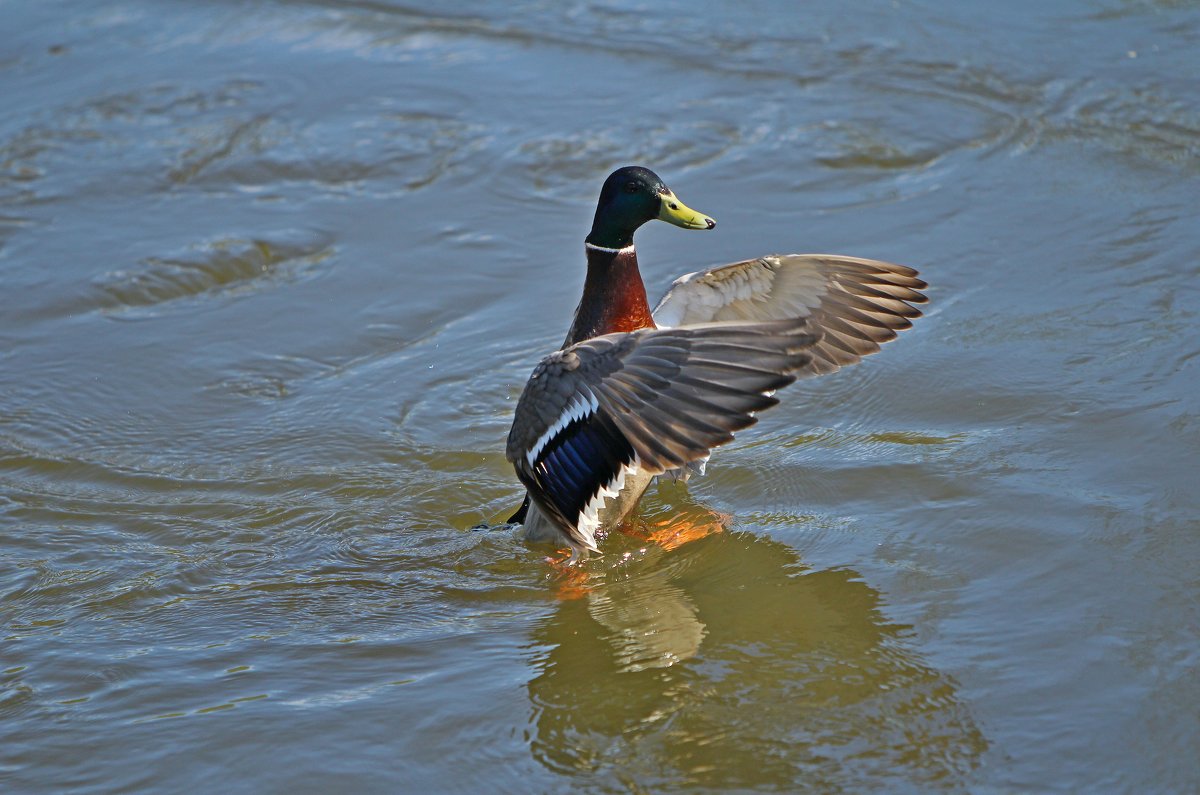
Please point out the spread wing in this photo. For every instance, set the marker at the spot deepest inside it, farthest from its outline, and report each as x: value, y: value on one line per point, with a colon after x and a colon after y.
x: 642, y: 402
x: 854, y: 304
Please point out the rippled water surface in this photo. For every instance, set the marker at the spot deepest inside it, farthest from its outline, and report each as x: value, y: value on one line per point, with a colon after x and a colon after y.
x: 274, y: 273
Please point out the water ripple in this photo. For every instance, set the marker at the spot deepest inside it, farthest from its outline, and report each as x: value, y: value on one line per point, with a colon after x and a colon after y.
x: 225, y: 267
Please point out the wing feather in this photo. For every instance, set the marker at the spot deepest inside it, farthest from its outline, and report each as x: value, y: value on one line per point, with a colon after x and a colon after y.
x: 856, y: 304
x: 647, y: 401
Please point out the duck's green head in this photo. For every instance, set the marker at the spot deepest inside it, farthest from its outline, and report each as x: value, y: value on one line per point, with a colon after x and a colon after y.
x: 631, y: 196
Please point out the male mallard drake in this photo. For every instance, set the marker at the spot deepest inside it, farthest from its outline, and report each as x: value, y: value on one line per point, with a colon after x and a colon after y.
x: 633, y: 394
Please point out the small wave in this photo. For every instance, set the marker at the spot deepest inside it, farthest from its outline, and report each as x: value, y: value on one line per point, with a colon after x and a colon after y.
x: 222, y: 267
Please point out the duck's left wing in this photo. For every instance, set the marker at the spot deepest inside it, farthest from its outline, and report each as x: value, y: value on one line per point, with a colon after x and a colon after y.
x: 855, y: 304
x: 646, y: 401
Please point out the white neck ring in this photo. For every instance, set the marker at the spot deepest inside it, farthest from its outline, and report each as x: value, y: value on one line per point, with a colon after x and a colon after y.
x: 607, y: 250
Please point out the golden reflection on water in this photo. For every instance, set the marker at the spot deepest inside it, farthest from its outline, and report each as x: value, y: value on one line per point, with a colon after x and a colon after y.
x: 731, y: 663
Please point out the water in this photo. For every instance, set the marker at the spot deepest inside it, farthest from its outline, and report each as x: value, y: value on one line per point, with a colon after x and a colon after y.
x: 275, y: 272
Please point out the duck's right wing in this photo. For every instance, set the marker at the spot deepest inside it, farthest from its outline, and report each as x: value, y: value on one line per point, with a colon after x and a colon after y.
x: 855, y: 304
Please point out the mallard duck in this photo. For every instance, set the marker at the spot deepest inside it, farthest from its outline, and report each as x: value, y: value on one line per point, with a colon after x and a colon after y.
x: 634, y: 393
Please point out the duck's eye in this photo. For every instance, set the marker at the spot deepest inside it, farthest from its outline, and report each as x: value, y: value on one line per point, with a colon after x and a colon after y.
x: 631, y: 187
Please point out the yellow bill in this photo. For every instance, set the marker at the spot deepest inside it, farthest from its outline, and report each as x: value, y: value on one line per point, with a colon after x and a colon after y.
x: 676, y: 212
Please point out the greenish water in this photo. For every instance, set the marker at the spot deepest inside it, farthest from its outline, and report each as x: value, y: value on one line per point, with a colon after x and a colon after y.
x: 275, y: 272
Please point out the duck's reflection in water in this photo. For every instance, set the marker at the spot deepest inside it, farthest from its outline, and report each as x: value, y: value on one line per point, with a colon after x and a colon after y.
x: 650, y: 623
x: 726, y: 662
